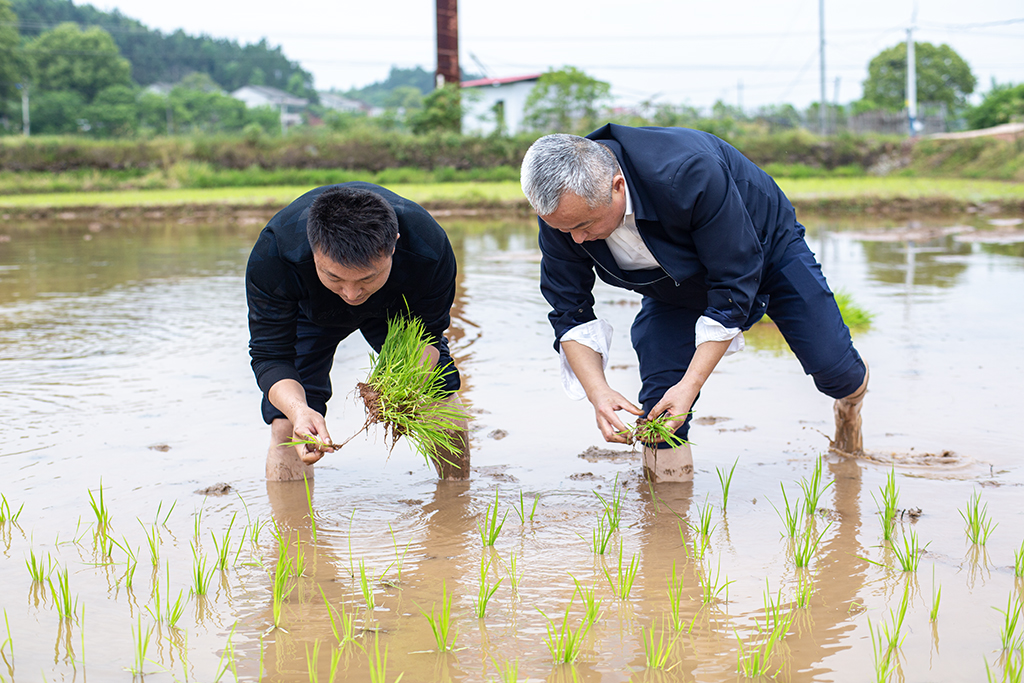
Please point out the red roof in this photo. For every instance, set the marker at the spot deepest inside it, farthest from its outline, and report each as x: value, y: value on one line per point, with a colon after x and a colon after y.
x: 499, y: 81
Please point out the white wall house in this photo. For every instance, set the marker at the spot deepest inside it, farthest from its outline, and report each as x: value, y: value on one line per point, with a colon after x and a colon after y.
x: 289, y: 105
x: 488, y: 101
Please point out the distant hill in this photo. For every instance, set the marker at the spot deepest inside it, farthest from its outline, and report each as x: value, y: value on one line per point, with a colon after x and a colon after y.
x: 157, y: 57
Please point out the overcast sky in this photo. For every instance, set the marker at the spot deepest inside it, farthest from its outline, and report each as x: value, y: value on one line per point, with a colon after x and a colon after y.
x: 749, y: 52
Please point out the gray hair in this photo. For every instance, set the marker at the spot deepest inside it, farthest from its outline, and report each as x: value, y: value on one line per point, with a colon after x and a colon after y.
x: 560, y: 163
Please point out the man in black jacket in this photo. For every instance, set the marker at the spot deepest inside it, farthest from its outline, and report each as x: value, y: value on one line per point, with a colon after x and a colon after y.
x: 338, y: 259
x: 711, y: 243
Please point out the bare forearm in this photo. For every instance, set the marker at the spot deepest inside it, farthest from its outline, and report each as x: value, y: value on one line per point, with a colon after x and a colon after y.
x: 289, y: 397
x: 588, y: 366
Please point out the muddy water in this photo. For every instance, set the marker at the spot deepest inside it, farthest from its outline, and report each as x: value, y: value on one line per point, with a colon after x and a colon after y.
x: 123, y: 363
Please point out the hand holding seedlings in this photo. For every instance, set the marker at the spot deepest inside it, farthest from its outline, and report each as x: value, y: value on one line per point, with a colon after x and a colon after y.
x: 310, y: 436
x: 588, y: 366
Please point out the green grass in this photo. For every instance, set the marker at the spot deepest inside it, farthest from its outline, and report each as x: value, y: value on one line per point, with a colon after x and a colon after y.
x: 908, y: 552
x: 798, y: 189
x: 1018, y: 561
x: 613, y: 507
x: 1008, y: 635
x: 8, y: 515
x: 491, y: 527
x: 622, y: 583
x: 343, y: 627
x: 806, y: 547
x: 657, y: 648
x: 887, y: 638
x: 141, y: 641
x: 977, y: 524
x: 486, y: 589
x: 791, y: 516
x: 564, y: 642
x: 378, y: 662
x: 602, y: 535
x: 813, y: 488
x: 725, y: 479
x: 890, y: 497
x: 675, y: 598
x: 441, y: 623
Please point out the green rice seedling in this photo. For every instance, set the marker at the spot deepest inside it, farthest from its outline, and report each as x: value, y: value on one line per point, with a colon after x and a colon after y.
x: 441, y: 624
x: 197, y: 524
x: 726, y: 481
x: 613, y: 508
x: 486, y: 590
x: 908, y: 552
x: 101, y: 512
x: 153, y: 539
x: 1010, y: 639
x: 1013, y: 668
x: 813, y: 489
x: 704, y: 526
x: 978, y: 526
x: 657, y: 649
x: 602, y: 535
x: 491, y: 527
x: 200, y: 576
x: 694, y: 551
x: 1018, y: 561
x: 141, y: 640
x: 399, y: 557
x: 806, y: 547
x: 711, y: 588
x: 280, y: 588
x: 173, y: 612
x: 299, y: 564
x: 336, y: 653
x: 792, y: 515
x: 131, y: 563
x: 378, y: 662
x: 36, y: 570
x: 514, y: 575
x: 507, y: 672
x: 804, y: 590
x: 62, y: 600
x: 313, y: 661
x: 626, y: 576
x: 890, y: 496
x: 344, y: 627
x: 754, y: 660
x: 591, y: 605
x: 887, y: 638
x: 649, y: 431
x: 309, y: 506
x: 407, y: 396
x: 563, y: 641
x: 227, y: 658
x: 521, y: 508
x: 365, y: 587
x: 221, y: 547
x: 159, y: 507
x: 8, y: 644
x: 936, y: 598
x: 675, y: 598
x: 6, y: 514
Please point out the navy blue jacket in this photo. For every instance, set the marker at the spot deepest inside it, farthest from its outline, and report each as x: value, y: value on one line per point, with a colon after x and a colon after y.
x: 281, y: 281
x: 714, y: 221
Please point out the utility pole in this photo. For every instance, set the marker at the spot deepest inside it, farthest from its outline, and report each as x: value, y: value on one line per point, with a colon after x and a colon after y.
x: 26, y: 124
x: 447, y: 43
x: 912, y: 78
x: 823, y: 103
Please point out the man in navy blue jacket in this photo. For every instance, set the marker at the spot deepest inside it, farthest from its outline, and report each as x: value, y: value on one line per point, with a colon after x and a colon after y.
x: 338, y: 259
x: 711, y: 243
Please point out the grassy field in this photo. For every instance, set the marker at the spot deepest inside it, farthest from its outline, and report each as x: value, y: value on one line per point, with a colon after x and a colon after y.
x: 507, y: 192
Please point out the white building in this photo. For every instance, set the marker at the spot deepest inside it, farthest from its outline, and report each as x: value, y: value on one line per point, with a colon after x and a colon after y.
x: 490, y: 102
x: 289, y: 105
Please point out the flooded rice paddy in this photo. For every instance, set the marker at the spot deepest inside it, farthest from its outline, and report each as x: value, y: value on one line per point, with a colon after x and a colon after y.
x: 131, y: 429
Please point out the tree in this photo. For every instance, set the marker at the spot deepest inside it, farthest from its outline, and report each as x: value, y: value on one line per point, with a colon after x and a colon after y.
x: 565, y: 100
x: 942, y: 77
x: 1002, y: 104
x: 57, y: 112
x: 70, y: 59
x: 114, y: 112
x: 10, y: 62
x: 442, y: 111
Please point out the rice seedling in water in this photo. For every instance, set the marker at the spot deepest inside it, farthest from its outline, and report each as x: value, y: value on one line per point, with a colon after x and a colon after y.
x: 521, y: 508
x: 159, y: 507
x: 172, y: 612
x: 602, y: 535
x: 907, y: 552
x: 279, y: 587
x: 626, y: 576
x: 703, y: 525
x: 335, y: 662
x: 200, y: 577
x: 153, y: 539
x: 791, y: 516
x: 7, y: 644
x: 1018, y: 561
x: 491, y: 526
x: 812, y: 488
x: 131, y: 563
x: 36, y: 569
x: 563, y: 641
x: 6, y: 514
x: 312, y: 662
x: 978, y: 526
x: 657, y: 649
x: 712, y: 588
x: 507, y: 672
x: 378, y: 662
x: 398, y: 561
x: 364, y: 586
x: 1013, y: 668
x: 591, y: 605
x: 299, y: 565
x: 441, y: 624
x: 227, y: 658
x: 344, y: 627
x: 221, y: 547
x: 890, y: 495
x: 675, y: 598
x: 62, y: 600
x: 514, y: 575
x: 1008, y: 636
x: 101, y: 512
x: 141, y: 640
x: 726, y: 481
x: 754, y: 659
x: 886, y: 639
x: 486, y: 590
x: 613, y: 508
x: 309, y: 506
x: 197, y: 523
x: 694, y: 551
x: 806, y: 547
x: 804, y: 591
x: 936, y: 598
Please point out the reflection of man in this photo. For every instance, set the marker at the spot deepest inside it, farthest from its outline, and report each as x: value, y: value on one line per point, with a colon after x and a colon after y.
x: 339, y: 259
x: 710, y: 241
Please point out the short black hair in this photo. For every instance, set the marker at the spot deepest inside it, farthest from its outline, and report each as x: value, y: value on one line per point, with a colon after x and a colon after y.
x: 351, y: 226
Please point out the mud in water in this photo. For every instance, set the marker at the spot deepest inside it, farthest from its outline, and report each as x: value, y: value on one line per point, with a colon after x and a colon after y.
x: 124, y: 371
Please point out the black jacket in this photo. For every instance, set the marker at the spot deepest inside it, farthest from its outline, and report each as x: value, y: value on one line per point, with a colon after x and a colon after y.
x: 281, y: 282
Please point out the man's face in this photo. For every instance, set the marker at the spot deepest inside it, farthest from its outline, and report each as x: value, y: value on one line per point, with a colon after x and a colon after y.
x: 584, y: 223
x: 353, y: 285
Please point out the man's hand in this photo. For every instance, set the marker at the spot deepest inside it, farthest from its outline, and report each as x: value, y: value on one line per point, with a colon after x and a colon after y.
x: 678, y: 400
x: 606, y: 405
x: 309, y: 424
